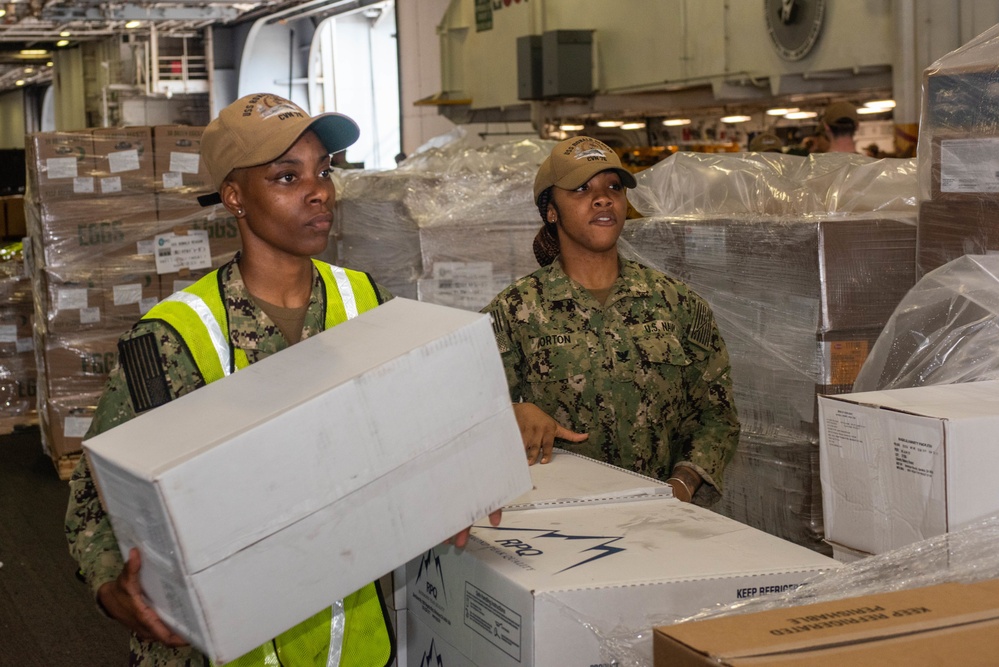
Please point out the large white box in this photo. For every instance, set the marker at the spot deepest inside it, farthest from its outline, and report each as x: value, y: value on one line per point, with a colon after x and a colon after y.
x: 262, y: 498
x: 529, y: 591
x: 902, y: 465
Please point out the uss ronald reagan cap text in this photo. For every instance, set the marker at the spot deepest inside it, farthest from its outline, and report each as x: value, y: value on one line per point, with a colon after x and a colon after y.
x: 575, y: 161
x: 259, y: 128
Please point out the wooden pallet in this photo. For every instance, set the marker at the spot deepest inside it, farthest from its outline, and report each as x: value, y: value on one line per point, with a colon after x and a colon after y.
x: 66, y: 464
x: 17, y: 423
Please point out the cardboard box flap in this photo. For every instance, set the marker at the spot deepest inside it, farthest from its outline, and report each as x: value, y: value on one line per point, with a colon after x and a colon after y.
x: 570, y: 478
x: 951, y: 401
x: 796, y: 631
x: 634, y: 543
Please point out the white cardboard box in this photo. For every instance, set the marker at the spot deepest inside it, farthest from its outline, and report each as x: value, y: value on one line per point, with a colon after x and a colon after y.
x: 568, y: 479
x: 262, y: 498
x: 902, y: 465
x: 525, y: 592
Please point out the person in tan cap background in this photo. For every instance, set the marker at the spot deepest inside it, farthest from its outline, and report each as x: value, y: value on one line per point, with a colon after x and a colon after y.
x: 841, y: 121
x: 766, y: 142
x: 613, y: 359
x: 270, y: 165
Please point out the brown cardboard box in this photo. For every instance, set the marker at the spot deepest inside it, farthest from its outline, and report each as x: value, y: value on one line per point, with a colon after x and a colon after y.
x: 72, y: 299
x: 822, y: 274
x: 124, y: 160
x: 177, y: 163
x: 948, y: 624
x: 130, y: 290
x: 98, y: 230
x: 16, y: 328
x: 18, y: 385
x: 61, y: 165
x: 79, y: 363
x: 65, y: 422
x: 15, y: 223
x: 949, y: 229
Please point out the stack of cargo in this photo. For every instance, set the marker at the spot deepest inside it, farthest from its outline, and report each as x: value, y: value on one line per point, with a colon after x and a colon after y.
x: 958, y: 149
x: 802, y: 268
x: 452, y: 225
x: 114, y: 227
x: 18, y: 378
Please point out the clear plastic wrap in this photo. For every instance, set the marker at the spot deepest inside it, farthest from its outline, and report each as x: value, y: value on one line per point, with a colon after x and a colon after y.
x: 453, y: 224
x: 740, y: 184
x: 945, y: 330
x: 965, y: 556
x: 958, y: 153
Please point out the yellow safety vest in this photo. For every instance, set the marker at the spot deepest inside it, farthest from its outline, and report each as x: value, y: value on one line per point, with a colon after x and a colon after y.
x: 355, y: 630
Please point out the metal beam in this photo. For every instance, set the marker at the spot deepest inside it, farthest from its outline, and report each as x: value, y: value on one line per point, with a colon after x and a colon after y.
x: 131, y: 12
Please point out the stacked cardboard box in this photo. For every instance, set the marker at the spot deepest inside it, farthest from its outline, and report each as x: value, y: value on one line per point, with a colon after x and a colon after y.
x: 574, y: 568
x: 945, y: 624
x: 958, y: 163
x: 452, y: 226
x: 100, y: 205
x: 799, y: 301
x: 18, y: 377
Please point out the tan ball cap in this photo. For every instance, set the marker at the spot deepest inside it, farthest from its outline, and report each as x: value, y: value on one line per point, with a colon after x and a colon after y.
x: 838, y: 111
x: 575, y: 161
x: 260, y: 128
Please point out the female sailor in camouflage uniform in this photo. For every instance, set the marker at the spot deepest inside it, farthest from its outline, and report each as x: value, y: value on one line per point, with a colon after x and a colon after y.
x: 619, y: 362
x: 270, y: 163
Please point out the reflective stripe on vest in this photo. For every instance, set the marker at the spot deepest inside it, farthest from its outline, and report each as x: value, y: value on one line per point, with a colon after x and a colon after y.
x: 355, y: 630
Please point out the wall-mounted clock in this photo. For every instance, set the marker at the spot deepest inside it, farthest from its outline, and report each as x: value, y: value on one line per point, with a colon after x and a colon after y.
x: 794, y: 25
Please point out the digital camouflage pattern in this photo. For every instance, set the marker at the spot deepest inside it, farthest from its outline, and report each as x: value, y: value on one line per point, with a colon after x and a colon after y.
x: 91, y: 540
x: 646, y: 375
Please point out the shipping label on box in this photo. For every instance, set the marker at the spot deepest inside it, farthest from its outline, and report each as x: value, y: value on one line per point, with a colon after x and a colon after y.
x: 528, y: 591
x: 372, y: 441
x: 903, y: 465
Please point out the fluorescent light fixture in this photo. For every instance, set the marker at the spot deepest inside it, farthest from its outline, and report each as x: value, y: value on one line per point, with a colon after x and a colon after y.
x: 610, y: 123
x: 49, y: 64
x: 64, y: 33
x: 676, y: 122
x: 62, y: 42
x: 736, y: 119
x: 19, y: 82
x: 883, y: 105
x: 33, y: 52
x: 570, y: 128
x: 132, y: 24
x: 869, y: 110
x: 29, y: 70
x: 800, y: 115
x: 781, y: 112
x: 633, y: 126
x: 3, y: 12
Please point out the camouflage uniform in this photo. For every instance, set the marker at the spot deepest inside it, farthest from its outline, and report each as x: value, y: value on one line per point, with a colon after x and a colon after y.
x: 647, y: 375
x: 91, y: 540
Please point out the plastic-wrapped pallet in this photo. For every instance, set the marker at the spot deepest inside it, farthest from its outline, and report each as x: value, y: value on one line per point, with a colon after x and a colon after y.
x: 18, y: 377
x: 101, y: 207
x: 959, y: 154
x: 802, y: 261
x: 453, y: 224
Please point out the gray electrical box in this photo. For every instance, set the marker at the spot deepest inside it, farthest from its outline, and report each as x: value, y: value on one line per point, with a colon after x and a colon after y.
x: 529, y: 82
x: 567, y: 63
